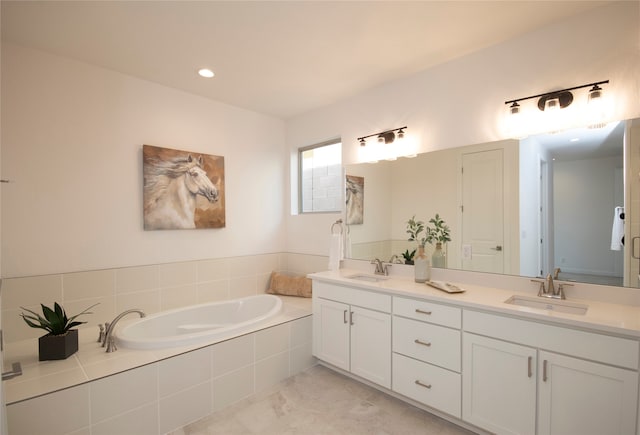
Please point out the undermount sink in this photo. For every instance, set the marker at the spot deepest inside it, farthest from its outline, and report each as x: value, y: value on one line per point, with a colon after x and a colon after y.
x: 368, y: 278
x: 540, y: 303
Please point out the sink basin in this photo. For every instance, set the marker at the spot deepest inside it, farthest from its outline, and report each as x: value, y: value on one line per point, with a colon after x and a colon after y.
x: 548, y: 304
x: 368, y: 278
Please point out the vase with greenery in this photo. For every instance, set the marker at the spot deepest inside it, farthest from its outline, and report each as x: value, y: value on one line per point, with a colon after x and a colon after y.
x: 439, y: 233
x: 422, y: 267
x: 61, y: 341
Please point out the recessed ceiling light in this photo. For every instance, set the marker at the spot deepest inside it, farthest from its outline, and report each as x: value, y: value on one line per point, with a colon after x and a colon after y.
x: 575, y: 139
x: 205, y: 72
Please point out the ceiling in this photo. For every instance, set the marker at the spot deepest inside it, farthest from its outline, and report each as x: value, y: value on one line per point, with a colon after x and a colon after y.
x: 274, y: 57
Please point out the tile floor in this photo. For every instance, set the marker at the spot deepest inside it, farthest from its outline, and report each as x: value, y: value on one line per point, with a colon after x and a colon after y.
x: 321, y: 401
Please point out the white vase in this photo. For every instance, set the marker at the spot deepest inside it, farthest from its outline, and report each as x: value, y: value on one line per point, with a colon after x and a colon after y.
x: 421, y: 266
x: 439, y: 257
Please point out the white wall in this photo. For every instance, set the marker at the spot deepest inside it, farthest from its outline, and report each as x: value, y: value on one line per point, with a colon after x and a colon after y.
x: 462, y: 102
x: 71, y: 144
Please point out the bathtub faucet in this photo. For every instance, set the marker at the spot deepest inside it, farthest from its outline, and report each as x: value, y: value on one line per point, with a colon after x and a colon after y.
x: 109, y: 340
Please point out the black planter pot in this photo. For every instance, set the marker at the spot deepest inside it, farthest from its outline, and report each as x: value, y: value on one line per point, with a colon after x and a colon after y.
x: 53, y: 347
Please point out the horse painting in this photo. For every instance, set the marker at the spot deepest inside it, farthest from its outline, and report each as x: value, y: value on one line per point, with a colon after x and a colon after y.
x: 354, y: 199
x: 178, y: 191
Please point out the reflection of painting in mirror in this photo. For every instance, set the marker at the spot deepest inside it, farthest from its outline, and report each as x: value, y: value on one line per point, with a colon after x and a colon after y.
x: 558, y: 203
x: 355, y: 200
x: 182, y: 190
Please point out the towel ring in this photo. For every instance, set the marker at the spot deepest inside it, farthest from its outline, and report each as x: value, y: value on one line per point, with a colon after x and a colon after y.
x: 337, y: 223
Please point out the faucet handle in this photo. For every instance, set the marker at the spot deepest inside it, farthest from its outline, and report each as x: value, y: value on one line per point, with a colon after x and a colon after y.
x: 101, y: 334
x: 561, y: 287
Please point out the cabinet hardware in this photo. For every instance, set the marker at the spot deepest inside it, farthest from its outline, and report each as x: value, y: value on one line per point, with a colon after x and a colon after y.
x: 428, y: 386
x: 544, y: 371
x: 424, y: 343
x: 16, y: 370
x: 344, y: 316
x: 529, y: 368
x: 351, y: 318
x: 418, y: 310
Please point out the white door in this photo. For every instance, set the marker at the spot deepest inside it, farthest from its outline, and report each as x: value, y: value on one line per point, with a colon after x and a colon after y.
x: 498, y: 385
x: 483, y: 211
x: 582, y: 397
x: 331, y: 332
x: 371, y: 345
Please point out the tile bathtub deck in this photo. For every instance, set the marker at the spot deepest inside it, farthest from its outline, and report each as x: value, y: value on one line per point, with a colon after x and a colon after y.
x: 320, y: 401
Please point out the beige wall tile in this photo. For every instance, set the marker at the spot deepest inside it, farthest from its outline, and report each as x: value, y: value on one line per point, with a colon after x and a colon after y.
x: 184, y: 371
x: 266, y: 263
x: 115, y: 395
x: 232, y: 354
x: 272, y: 341
x: 272, y: 370
x: 242, y: 287
x: 233, y: 387
x: 242, y: 266
x: 184, y: 407
x: 147, y: 301
x: 15, y: 329
x: 213, y: 270
x: 213, y: 291
x: 177, y: 297
x: 140, y: 421
x: 134, y: 279
x: 177, y: 274
x: 58, y: 413
x: 84, y: 285
x: 301, y: 331
x: 29, y: 291
x: 302, y: 358
x: 103, y: 312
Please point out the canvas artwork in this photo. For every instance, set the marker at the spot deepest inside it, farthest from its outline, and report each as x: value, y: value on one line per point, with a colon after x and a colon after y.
x: 355, y: 200
x: 182, y: 190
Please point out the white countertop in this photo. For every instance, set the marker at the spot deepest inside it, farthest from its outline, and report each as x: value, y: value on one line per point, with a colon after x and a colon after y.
x: 601, y: 316
x: 91, y: 362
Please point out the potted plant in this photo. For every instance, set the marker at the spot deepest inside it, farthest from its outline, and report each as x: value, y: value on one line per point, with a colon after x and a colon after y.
x: 439, y: 234
x: 61, y: 341
x: 408, y: 256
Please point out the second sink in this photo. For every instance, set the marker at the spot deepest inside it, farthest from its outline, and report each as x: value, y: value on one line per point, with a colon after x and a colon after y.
x: 368, y: 278
x: 548, y: 304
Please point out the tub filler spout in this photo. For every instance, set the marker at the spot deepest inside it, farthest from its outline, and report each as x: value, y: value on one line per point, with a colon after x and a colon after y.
x: 109, y: 339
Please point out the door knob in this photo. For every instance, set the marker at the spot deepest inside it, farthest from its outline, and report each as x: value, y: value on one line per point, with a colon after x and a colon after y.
x: 497, y: 248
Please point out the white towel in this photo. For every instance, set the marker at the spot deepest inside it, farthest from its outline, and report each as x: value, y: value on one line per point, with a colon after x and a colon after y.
x: 335, y: 251
x: 617, y: 230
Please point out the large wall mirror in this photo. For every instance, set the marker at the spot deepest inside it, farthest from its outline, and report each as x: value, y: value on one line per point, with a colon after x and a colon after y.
x: 566, y: 203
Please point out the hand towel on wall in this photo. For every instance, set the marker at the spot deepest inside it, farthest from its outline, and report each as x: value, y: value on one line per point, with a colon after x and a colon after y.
x: 617, y: 230
x: 335, y: 251
x: 347, y: 244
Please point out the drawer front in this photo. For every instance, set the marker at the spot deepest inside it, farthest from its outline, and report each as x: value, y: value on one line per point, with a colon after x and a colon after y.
x: 429, y: 343
x: 582, y: 344
x: 428, y: 312
x: 427, y: 384
x: 353, y: 296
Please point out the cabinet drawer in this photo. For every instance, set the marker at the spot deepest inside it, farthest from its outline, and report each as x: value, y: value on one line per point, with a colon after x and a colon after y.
x: 353, y: 296
x: 428, y: 312
x: 582, y: 344
x: 427, y: 384
x: 429, y: 343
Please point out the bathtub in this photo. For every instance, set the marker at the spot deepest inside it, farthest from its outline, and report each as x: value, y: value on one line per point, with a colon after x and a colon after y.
x: 198, y: 323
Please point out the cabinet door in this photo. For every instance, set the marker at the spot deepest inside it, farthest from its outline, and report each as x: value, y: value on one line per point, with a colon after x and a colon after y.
x: 582, y: 397
x: 331, y: 332
x: 499, y: 385
x: 371, y: 345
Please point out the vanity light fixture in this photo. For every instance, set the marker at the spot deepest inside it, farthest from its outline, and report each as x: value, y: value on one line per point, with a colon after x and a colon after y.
x: 387, y: 136
x: 557, y: 99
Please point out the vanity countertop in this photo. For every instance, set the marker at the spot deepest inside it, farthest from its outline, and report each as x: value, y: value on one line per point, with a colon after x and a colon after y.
x: 600, y: 316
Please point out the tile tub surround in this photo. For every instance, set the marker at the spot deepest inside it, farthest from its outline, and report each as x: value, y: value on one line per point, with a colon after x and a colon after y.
x: 152, y: 288
x: 172, y: 387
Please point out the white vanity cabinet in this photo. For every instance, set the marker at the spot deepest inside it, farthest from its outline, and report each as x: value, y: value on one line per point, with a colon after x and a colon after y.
x: 426, y: 353
x: 586, y: 383
x: 352, y: 331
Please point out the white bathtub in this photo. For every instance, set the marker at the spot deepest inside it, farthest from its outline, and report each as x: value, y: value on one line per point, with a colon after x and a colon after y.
x: 198, y: 323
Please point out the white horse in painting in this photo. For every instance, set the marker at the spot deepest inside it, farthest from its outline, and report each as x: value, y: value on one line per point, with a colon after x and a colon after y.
x: 170, y: 189
x: 354, y: 202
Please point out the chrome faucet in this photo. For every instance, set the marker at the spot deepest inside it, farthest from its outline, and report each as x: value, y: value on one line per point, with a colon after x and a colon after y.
x: 381, y: 268
x: 109, y: 339
x: 394, y: 259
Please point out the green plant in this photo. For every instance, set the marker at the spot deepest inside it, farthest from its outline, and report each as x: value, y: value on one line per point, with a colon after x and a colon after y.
x: 408, y: 256
x: 414, y: 228
x: 54, y: 321
x: 440, y: 232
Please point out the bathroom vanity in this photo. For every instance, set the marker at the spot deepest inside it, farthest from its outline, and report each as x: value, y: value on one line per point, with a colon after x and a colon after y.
x: 482, y: 362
